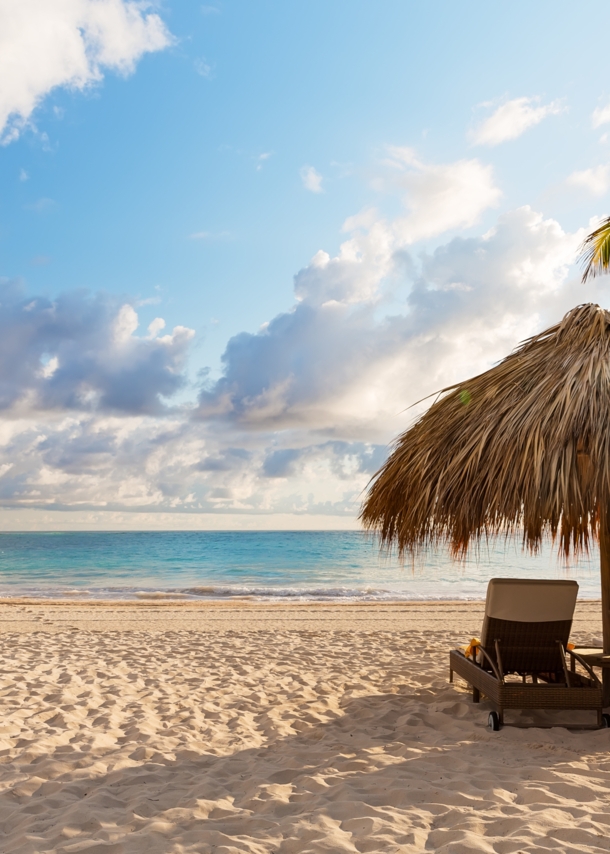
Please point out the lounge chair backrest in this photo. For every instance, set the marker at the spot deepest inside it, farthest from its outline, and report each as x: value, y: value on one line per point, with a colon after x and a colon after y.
x: 531, y: 600
x: 528, y: 617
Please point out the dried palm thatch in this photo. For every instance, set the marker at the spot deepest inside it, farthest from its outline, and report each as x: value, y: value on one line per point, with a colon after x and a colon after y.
x: 523, y: 447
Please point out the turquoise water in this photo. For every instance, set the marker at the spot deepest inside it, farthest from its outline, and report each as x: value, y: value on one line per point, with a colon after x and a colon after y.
x: 266, y: 565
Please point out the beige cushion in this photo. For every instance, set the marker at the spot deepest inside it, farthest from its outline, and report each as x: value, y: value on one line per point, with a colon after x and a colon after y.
x: 530, y: 600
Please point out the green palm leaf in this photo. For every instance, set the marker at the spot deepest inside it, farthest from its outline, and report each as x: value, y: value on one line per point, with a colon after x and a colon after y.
x: 596, y: 251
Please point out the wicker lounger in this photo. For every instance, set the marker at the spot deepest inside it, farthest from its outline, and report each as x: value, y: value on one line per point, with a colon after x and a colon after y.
x: 525, y: 634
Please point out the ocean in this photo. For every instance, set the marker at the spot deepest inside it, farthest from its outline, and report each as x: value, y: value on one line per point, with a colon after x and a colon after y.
x: 264, y: 565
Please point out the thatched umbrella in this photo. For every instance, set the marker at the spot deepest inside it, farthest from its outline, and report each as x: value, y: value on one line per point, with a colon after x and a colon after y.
x: 522, y: 448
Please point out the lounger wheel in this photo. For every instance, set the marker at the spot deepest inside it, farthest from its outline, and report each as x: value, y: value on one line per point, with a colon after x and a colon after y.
x: 605, y: 721
x: 493, y: 721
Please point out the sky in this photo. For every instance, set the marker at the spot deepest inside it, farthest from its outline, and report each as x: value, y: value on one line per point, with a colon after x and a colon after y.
x: 239, y: 240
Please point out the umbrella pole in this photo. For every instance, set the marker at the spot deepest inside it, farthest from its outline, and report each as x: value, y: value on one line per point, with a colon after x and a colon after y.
x: 604, y: 554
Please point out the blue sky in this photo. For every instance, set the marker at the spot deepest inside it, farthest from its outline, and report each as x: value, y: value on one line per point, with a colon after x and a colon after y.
x: 326, y: 210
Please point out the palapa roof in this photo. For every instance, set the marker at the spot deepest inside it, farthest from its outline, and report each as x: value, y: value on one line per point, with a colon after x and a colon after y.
x: 523, y: 447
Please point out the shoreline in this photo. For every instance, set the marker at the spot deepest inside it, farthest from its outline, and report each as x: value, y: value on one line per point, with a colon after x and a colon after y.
x: 239, y: 601
x: 458, y: 618
x: 248, y: 601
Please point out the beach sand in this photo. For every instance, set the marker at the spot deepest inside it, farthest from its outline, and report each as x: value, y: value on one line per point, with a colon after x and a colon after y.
x: 199, y: 727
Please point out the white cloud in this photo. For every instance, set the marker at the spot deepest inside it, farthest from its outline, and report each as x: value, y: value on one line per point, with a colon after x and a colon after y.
x: 512, y: 119
x: 311, y: 178
x: 440, y: 196
x: 600, y: 116
x: 49, y: 43
x: 596, y: 180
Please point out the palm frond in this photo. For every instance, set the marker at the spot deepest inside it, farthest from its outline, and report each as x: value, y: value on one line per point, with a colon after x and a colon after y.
x: 523, y: 447
x: 595, y: 252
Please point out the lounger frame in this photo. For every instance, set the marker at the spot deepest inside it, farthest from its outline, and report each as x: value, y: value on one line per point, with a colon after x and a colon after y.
x: 550, y: 688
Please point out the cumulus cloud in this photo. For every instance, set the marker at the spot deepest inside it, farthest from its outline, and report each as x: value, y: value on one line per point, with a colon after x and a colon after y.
x: 311, y: 178
x: 333, y: 363
x: 80, y: 352
x: 513, y: 118
x: 45, y: 44
x: 596, y: 180
x: 305, y: 408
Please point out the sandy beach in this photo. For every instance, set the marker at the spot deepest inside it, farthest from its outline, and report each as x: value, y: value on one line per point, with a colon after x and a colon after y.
x: 242, y: 727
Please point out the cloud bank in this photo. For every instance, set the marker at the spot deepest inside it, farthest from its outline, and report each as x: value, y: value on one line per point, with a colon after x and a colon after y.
x: 333, y: 364
x: 98, y: 415
x: 305, y: 408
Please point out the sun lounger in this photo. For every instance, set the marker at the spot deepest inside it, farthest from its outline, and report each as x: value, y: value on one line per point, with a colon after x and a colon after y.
x: 521, y: 661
